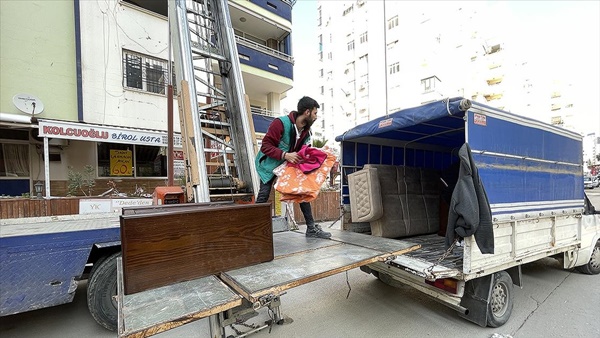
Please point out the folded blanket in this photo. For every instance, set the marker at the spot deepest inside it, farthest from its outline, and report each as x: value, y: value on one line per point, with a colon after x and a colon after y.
x: 312, y: 159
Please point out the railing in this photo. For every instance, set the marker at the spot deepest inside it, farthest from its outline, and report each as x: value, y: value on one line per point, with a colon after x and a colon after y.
x: 263, y: 111
x: 264, y: 49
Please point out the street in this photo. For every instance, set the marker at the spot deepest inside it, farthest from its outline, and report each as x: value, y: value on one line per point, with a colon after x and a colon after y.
x: 552, y: 303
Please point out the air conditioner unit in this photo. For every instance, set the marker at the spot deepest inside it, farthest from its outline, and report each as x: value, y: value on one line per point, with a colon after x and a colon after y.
x: 58, y: 142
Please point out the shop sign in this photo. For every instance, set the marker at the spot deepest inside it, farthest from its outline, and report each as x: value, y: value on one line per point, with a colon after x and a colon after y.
x: 95, y: 206
x: 98, y: 133
x: 121, y: 162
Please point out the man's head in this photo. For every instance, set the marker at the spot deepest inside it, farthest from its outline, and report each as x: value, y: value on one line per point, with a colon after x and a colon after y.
x: 307, y: 110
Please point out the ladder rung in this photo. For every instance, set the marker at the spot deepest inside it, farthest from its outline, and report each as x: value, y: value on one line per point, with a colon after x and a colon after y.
x: 220, y: 132
x: 206, y: 54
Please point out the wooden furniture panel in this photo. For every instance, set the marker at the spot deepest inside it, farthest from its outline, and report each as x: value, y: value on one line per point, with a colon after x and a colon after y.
x: 168, y: 247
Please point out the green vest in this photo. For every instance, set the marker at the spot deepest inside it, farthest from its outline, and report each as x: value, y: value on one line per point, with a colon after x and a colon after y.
x: 266, y: 164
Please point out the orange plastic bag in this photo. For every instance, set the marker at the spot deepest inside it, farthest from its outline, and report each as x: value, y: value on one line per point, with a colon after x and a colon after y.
x: 298, y: 187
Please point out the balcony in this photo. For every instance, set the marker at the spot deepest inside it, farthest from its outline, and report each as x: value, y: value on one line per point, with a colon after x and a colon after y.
x: 271, y: 70
x: 262, y: 118
x: 282, y: 8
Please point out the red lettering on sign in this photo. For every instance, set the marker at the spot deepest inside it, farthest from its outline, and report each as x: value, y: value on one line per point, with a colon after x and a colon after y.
x: 480, y: 119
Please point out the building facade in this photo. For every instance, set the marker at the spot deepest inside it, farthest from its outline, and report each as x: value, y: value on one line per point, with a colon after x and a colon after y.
x: 377, y: 57
x: 101, y: 70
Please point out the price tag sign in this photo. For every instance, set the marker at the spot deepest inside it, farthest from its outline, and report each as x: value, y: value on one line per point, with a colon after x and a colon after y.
x: 121, y: 162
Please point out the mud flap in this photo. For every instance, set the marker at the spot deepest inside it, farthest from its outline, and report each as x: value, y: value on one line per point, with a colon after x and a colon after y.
x: 476, y: 298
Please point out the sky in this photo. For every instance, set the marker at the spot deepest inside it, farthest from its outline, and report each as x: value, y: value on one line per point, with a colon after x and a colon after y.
x: 560, y: 35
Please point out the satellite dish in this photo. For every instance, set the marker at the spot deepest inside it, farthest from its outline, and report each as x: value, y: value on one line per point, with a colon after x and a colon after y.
x: 28, y: 104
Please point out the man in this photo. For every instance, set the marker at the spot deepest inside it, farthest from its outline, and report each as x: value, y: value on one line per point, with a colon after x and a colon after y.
x: 283, y: 140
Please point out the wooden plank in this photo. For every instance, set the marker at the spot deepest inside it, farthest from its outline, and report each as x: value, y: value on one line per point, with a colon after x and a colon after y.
x: 301, y: 267
x: 169, y: 247
x: 153, y: 311
x: 192, y: 176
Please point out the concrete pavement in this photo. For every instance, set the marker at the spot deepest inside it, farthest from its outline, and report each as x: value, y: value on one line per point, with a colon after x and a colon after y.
x: 553, y: 303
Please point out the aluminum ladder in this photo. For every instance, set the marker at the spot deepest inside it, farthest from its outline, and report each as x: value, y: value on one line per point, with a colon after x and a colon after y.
x: 213, y: 109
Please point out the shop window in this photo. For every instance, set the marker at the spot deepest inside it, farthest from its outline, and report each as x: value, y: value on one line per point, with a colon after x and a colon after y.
x: 135, y: 160
x: 14, y: 160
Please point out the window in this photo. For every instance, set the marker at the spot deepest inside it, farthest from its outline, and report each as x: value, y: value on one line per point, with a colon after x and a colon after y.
x: 322, y: 90
x: 158, y: 7
x: 321, y: 43
x: 321, y: 72
x: 348, y: 10
x: 330, y: 55
x: 14, y: 160
x: 331, y: 92
x: 429, y: 83
x: 393, y: 22
x: 144, y: 72
x: 364, y: 37
x: 147, y: 161
x: 394, y: 68
x: 351, y: 45
x: 319, y: 16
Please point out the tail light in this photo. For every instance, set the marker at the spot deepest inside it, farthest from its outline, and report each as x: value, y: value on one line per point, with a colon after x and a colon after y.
x: 446, y: 284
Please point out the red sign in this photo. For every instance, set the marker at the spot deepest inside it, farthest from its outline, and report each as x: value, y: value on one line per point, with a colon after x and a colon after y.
x: 385, y: 123
x: 480, y: 119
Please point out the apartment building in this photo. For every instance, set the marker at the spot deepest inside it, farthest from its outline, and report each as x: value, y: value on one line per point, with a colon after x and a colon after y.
x: 377, y: 57
x: 101, y: 70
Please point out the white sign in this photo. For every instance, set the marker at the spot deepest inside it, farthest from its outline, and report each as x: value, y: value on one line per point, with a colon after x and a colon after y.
x: 94, y: 132
x: 95, y: 206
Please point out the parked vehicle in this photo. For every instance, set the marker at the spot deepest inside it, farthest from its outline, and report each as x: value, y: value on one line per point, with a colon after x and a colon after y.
x: 509, y: 189
x: 588, y: 182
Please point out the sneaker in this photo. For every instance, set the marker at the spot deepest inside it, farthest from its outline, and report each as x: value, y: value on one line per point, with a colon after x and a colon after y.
x: 317, y: 232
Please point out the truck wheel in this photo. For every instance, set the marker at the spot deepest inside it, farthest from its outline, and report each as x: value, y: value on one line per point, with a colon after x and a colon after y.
x: 101, y: 292
x: 593, y: 266
x: 500, y: 304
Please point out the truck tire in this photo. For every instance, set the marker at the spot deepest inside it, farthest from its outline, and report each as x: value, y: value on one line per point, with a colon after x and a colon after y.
x: 593, y: 266
x: 500, y: 304
x: 101, y: 292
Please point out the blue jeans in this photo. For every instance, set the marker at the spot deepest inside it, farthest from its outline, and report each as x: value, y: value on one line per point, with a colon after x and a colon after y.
x: 263, y: 196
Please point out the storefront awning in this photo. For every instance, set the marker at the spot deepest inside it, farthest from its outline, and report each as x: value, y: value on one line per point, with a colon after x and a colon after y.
x: 99, y: 133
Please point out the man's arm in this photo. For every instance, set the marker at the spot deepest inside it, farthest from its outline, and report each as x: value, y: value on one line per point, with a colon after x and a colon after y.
x: 271, y: 140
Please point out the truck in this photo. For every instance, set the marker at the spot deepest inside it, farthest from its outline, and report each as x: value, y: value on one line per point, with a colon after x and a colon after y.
x: 482, y: 190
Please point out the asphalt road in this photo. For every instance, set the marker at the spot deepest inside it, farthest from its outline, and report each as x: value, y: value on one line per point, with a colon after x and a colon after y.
x: 552, y: 303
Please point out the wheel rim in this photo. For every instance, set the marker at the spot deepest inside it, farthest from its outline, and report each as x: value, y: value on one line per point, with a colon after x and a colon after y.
x: 595, y: 259
x: 499, y: 299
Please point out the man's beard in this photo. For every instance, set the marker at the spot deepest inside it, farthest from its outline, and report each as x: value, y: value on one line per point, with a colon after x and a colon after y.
x: 309, y: 123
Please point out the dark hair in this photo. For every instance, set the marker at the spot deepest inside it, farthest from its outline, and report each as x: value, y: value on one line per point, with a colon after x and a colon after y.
x: 306, y: 103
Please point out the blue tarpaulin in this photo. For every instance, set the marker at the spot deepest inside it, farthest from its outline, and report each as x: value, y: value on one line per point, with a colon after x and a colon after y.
x: 412, y: 124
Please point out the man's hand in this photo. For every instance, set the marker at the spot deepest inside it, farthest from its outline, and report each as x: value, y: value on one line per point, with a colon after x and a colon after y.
x: 293, y: 158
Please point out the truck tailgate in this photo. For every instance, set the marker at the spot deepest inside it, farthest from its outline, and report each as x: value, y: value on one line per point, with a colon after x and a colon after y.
x: 300, y: 260
x: 432, y: 249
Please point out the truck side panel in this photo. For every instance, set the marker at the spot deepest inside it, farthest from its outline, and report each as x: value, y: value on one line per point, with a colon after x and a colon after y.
x: 42, y: 270
x: 522, y: 241
x: 525, y: 165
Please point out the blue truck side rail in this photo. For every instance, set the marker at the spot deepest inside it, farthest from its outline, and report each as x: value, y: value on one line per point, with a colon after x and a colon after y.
x: 42, y: 258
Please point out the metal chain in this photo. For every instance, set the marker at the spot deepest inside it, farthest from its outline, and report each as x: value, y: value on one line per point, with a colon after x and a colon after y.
x: 444, y: 256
